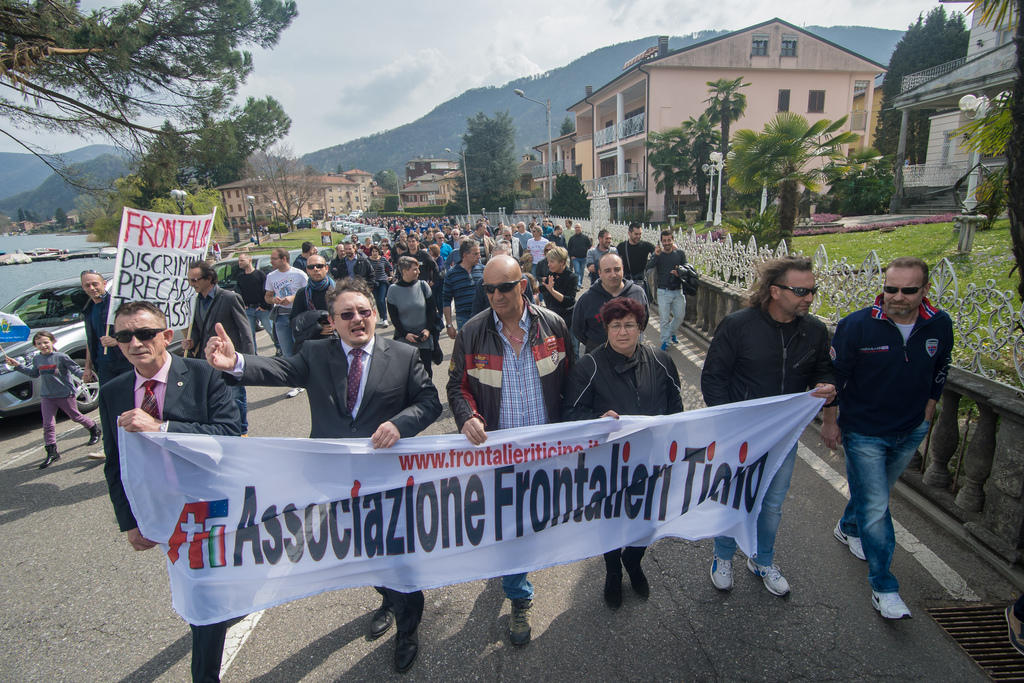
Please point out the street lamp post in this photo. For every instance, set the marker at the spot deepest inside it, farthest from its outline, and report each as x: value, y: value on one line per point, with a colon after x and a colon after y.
x: 547, y: 111
x: 465, y: 176
x: 973, y: 107
x: 179, y: 198
x: 710, y: 170
x: 252, y: 217
x: 719, y: 162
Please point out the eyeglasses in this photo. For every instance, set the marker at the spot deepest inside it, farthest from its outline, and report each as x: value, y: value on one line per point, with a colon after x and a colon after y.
x: 619, y: 327
x: 349, y: 315
x: 799, y: 291
x: 194, y: 280
x: 889, y: 289
x: 503, y: 287
x: 318, y: 266
x: 142, y: 334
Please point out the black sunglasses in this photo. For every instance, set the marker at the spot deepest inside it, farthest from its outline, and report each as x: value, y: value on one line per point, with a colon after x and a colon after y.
x: 889, y: 289
x: 363, y: 313
x: 142, y: 334
x: 799, y: 291
x: 503, y: 287
x: 316, y: 265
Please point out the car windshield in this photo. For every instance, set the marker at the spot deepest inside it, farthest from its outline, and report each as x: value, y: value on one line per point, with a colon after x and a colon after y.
x: 49, y: 307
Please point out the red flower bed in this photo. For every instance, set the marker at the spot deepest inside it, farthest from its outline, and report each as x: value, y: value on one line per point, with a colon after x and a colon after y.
x: 867, y: 227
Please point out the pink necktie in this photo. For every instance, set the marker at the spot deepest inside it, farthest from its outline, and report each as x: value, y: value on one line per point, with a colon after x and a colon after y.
x: 355, y: 375
x: 149, y: 403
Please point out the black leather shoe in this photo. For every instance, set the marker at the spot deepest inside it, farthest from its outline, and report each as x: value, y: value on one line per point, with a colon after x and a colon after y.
x: 638, y: 580
x: 382, y: 620
x: 94, y: 435
x: 613, y: 590
x: 406, y: 648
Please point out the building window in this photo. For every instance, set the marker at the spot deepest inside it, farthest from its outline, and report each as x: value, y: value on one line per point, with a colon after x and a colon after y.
x: 759, y: 46
x: 860, y: 87
x: 815, y: 101
x: 788, y: 46
x: 784, y: 100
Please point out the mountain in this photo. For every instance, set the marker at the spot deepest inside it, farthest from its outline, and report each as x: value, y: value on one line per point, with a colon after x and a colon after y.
x: 21, y: 172
x: 445, y: 124
x: 55, y: 192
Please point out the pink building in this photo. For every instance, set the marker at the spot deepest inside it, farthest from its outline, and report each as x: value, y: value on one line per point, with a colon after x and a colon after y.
x: 788, y: 68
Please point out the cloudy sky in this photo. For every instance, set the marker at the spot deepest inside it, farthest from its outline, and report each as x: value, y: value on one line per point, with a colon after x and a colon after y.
x: 347, y: 69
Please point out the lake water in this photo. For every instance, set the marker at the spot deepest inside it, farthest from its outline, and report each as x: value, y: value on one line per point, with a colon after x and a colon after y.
x: 15, y: 279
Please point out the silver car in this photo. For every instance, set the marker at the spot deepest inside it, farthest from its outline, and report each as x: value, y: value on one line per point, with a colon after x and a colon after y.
x: 55, y: 306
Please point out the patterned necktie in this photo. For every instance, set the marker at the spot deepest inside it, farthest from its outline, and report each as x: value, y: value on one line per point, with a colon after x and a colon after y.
x: 355, y: 375
x: 149, y: 403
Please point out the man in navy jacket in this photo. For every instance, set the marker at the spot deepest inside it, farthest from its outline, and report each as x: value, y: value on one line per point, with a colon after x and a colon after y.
x: 890, y: 363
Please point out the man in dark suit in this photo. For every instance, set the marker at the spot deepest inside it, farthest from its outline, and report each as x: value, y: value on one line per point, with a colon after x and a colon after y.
x: 358, y: 386
x: 163, y: 393
x: 215, y: 305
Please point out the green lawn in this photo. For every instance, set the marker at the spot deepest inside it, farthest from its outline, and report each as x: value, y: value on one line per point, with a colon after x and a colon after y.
x: 990, y: 258
x: 293, y: 240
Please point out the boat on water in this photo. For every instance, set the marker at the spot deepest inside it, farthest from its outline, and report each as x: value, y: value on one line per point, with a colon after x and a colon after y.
x: 108, y: 252
x: 15, y: 258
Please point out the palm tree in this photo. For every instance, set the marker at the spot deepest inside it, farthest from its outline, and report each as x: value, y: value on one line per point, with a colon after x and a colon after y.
x: 785, y: 155
x: 726, y: 105
x: 702, y: 140
x: 666, y: 155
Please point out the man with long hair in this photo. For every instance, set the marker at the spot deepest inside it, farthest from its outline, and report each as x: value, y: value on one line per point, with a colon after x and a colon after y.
x: 770, y: 348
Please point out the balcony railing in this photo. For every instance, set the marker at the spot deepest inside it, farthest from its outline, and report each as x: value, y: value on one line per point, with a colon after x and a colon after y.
x: 858, y: 120
x: 634, y: 125
x: 605, y: 136
x: 917, y: 78
x: 932, y: 175
x: 542, y: 170
x: 616, y: 184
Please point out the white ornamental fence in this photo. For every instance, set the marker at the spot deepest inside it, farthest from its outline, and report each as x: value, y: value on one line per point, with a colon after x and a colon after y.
x: 988, y: 323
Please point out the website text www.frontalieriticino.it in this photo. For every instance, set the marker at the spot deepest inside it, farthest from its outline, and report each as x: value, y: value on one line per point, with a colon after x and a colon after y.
x: 489, y: 456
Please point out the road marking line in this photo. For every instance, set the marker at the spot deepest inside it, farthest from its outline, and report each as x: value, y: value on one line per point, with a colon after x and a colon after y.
x: 35, y: 449
x: 946, y: 576
x: 235, y: 639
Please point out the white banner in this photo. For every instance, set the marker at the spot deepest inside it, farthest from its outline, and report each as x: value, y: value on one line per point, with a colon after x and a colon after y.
x: 252, y: 523
x: 153, y: 253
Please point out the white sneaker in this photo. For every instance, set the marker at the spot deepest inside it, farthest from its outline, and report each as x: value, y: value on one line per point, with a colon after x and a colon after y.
x: 721, y: 574
x: 773, y: 579
x: 96, y: 455
x: 294, y: 392
x: 889, y: 605
x: 852, y: 542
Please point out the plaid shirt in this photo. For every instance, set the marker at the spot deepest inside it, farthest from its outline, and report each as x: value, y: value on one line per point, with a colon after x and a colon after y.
x: 522, y: 399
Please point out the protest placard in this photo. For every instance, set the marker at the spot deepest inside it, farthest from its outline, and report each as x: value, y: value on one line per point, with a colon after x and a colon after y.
x: 153, y: 253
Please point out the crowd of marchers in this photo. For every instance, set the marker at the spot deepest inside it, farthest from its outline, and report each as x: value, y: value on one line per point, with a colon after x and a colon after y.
x: 548, y: 326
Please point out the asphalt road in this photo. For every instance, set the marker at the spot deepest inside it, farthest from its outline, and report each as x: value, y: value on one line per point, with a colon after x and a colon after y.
x: 77, y: 604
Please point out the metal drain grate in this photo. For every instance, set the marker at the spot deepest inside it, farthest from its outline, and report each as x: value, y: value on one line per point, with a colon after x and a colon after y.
x: 982, y: 633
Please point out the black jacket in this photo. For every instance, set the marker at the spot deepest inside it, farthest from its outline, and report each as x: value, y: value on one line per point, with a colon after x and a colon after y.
x: 339, y: 268
x: 646, y: 384
x: 753, y: 356
x: 586, y: 321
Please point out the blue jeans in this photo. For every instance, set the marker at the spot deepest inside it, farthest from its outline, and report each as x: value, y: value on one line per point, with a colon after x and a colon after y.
x: 283, y: 331
x: 873, y: 464
x: 254, y: 313
x: 580, y: 266
x: 768, y: 519
x: 516, y: 587
x: 380, y: 294
x: 671, y: 302
x: 243, y: 407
